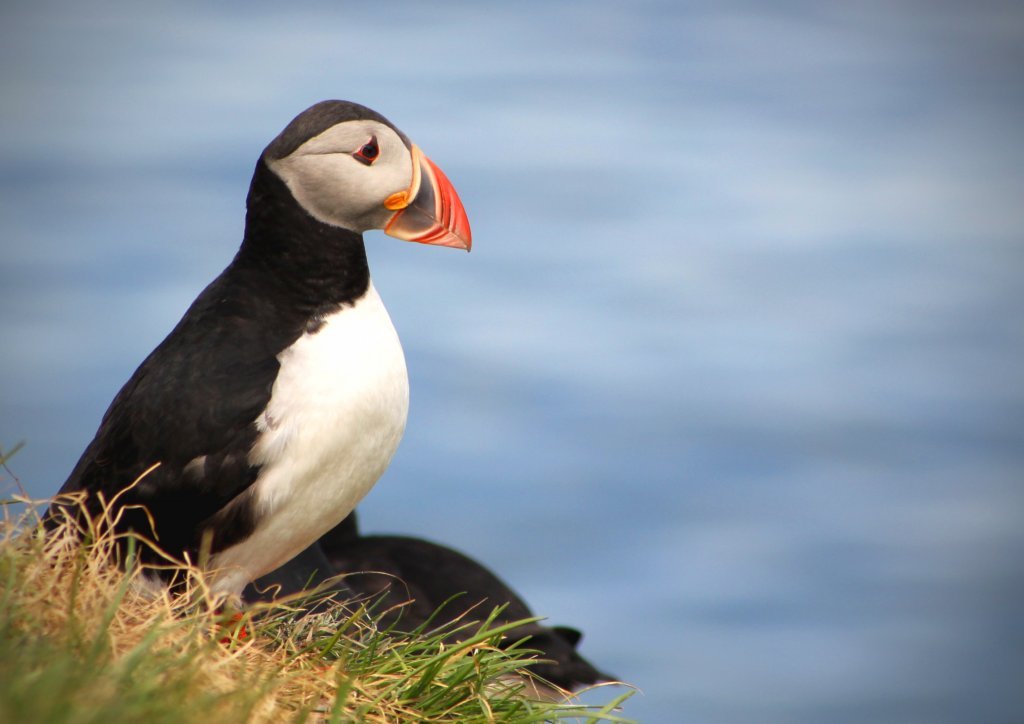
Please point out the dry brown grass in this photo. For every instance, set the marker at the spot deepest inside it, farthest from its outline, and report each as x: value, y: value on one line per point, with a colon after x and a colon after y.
x: 82, y: 640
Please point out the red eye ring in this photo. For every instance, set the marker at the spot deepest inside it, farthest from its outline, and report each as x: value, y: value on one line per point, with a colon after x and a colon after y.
x: 368, y: 152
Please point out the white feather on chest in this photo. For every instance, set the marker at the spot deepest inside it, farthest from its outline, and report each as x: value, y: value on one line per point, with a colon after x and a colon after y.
x: 336, y: 415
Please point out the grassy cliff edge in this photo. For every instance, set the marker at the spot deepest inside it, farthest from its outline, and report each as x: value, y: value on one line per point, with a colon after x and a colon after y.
x: 82, y: 641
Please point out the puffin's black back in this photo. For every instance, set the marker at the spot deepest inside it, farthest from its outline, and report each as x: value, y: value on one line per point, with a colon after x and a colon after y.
x: 426, y: 575
x: 191, y: 405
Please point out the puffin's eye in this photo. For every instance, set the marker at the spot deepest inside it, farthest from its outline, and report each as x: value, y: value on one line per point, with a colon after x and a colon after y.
x: 368, y: 152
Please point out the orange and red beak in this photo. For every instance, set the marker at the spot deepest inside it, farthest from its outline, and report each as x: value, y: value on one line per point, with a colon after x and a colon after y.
x: 429, y: 211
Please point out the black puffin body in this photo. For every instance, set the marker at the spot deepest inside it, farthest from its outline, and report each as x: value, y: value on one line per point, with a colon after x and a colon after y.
x: 279, y: 398
x: 412, y: 578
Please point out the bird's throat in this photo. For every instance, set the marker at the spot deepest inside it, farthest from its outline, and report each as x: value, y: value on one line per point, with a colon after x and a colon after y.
x: 314, y: 263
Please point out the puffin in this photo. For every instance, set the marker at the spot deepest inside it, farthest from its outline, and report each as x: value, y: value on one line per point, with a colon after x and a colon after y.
x: 280, y: 397
x: 416, y: 582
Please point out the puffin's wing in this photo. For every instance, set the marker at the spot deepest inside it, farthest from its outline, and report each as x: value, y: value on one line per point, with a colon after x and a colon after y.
x: 191, y: 407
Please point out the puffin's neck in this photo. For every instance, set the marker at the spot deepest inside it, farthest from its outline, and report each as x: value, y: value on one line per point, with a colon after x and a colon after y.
x: 314, y: 263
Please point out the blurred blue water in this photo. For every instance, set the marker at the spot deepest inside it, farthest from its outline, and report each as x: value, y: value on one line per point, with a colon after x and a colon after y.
x: 732, y: 378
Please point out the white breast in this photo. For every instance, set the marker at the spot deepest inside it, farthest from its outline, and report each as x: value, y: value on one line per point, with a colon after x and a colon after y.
x: 336, y: 415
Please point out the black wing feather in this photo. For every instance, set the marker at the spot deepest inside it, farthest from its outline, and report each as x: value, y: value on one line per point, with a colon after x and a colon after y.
x: 196, y: 397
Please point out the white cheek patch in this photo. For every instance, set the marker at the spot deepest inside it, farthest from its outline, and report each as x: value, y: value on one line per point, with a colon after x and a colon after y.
x: 334, y: 187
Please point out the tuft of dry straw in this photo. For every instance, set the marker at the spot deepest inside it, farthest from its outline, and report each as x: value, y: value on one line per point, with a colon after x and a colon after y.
x: 73, y: 594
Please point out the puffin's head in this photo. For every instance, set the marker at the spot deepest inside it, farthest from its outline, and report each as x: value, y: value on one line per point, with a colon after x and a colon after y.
x: 347, y: 166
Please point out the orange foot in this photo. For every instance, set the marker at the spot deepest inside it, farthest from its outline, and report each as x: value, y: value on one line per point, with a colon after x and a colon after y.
x: 234, y: 630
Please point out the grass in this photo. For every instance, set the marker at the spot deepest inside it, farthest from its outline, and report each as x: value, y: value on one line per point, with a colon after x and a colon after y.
x: 82, y: 641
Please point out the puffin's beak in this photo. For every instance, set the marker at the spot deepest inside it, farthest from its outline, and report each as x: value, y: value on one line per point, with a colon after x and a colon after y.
x: 429, y: 211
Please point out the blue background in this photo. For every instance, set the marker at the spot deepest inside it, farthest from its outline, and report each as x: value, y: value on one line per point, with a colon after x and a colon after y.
x: 732, y: 379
